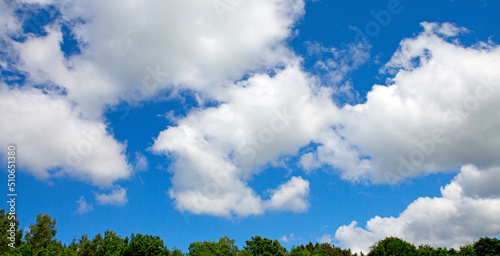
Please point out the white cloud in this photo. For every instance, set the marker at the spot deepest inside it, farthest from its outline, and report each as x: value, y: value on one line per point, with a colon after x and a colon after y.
x: 445, y: 29
x: 338, y: 152
x: 86, y: 84
x: 83, y: 206
x: 479, y: 183
x: 131, y: 50
x: 454, y: 219
x: 141, y: 162
x: 438, y: 112
x: 284, y: 239
x: 287, y: 239
x: 309, y: 161
x: 117, y: 197
x: 258, y: 121
x: 54, y: 140
x: 8, y: 21
x: 326, y: 238
x: 290, y: 196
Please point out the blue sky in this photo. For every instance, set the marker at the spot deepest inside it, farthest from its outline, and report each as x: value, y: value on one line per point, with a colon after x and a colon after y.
x: 194, y: 120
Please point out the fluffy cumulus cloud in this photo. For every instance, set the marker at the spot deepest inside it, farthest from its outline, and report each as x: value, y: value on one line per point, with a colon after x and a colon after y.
x: 133, y: 49
x: 459, y: 216
x: 290, y: 196
x: 218, y: 149
x: 479, y: 183
x: 54, y: 140
x: 84, y: 83
x: 439, y: 111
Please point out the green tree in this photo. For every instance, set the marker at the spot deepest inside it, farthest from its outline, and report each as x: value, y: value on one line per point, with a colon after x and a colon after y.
x: 441, y: 252
x: 393, y: 246
x: 299, y: 251
x: 10, y: 234
x: 425, y: 250
x: 97, y: 242
x: 110, y: 245
x: 54, y: 248
x: 264, y: 246
x: 176, y: 252
x: 145, y: 245
x: 225, y: 247
x: 467, y: 250
x: 23, y: 250
x: 319, y: 249
x: 42, y: 233
x: 205, y: 248
x: 377, y: 251
x: 487, y: 246
x: 228, y: 247
x: 245, y: 253
x: 84, y: 246
x: 452, y: 252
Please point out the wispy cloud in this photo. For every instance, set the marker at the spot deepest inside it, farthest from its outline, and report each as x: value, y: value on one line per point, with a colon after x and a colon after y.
x: 140, y: 162
x: 326, y: 238
x: 117, y: 197
x: 288, y: 239
x: 83, y: 206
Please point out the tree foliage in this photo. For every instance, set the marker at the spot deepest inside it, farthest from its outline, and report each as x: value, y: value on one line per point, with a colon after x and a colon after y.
x: 42, y: 233
x: 487, y: 246
x: 263, y: 246
x: 144, y: 245
x: 225, y: 247
x: 393, y: 246
x: 319, y: 249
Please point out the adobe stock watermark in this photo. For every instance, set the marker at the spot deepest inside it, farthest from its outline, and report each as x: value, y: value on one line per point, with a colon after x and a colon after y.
x: 222, y: 7
x: 454, y: 119
x: 11, y: 194
x: 151, y: 82
x: 265, y: 136
x: 381, y: 19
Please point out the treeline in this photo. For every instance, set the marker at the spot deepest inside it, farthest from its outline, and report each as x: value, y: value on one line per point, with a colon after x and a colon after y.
x: 40, y: 240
